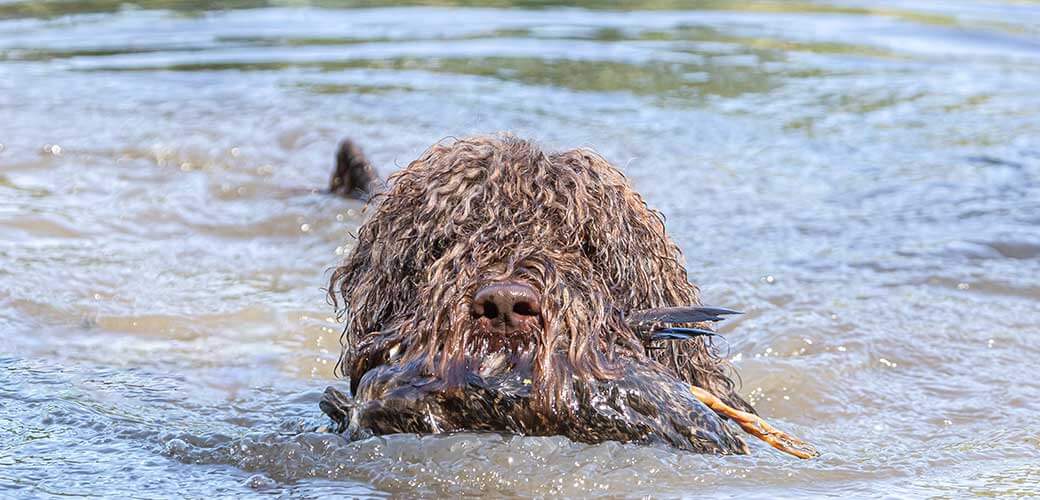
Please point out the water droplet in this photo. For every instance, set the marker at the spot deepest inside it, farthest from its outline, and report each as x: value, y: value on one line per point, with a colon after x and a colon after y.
x: 235, y: 152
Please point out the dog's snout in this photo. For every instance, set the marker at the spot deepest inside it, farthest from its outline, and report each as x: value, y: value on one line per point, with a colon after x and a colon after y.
x: 510, y: 303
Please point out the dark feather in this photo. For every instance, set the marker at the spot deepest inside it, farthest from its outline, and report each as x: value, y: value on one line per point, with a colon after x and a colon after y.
x: 337, y: 405
x: 685, y: 314
x: 680, y: 334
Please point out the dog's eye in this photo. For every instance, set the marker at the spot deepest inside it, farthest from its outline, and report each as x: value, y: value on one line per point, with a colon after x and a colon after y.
x: 438, y: 248
x: 588, y: 250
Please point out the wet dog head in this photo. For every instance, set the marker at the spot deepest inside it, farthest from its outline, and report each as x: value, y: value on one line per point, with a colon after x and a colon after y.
x: 488, y: 256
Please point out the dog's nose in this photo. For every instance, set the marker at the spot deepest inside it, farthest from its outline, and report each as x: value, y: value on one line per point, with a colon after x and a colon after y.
x: 509, y: 302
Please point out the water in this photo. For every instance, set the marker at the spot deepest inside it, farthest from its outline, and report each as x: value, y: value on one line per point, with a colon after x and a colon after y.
x: 863, y: 179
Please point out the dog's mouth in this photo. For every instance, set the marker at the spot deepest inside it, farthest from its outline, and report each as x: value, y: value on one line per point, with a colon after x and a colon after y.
x: 510, y: 324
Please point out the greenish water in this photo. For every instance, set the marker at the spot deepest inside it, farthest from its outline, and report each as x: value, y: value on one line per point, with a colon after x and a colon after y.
x: 862, y: 178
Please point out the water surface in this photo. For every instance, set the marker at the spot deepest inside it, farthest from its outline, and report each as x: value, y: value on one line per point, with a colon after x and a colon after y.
x: 862, y: 178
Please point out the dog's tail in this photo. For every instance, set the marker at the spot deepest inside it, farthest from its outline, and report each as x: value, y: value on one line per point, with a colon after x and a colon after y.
x: 354, y: 176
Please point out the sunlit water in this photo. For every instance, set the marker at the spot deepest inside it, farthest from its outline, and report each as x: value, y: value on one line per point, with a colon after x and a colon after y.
x: 863, y: 179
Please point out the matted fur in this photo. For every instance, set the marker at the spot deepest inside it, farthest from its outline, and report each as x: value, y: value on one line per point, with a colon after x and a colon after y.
x: 480, y: 209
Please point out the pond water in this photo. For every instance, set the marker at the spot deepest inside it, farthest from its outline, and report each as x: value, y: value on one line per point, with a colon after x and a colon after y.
x: 861, y: 178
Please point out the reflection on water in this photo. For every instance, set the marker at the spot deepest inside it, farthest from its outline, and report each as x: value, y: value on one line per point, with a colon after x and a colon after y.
x: 862, y: 178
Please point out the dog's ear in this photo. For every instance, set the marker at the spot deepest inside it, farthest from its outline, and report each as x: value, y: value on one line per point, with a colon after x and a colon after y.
x: 354, y: 176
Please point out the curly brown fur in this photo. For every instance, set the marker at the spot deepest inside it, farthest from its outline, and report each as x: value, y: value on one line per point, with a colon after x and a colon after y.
x: 481, y: 209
